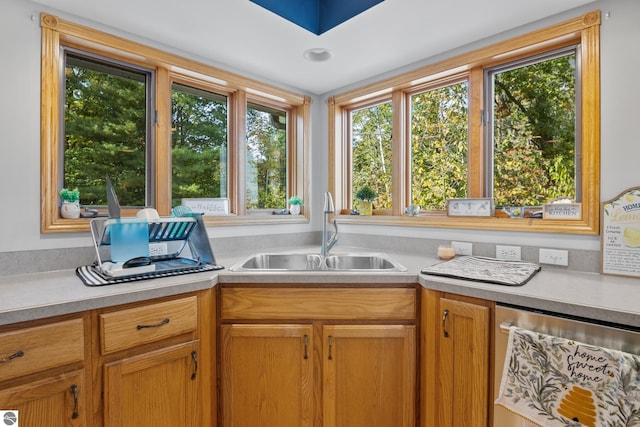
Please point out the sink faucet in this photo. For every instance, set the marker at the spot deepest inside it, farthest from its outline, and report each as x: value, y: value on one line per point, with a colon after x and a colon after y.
x: 328, y: 243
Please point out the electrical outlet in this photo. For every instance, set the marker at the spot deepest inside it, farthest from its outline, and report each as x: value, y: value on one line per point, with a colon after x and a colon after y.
x: 462, y: 248
x: 508, y: 252
x: 554, y: 257
x: 159, y: 248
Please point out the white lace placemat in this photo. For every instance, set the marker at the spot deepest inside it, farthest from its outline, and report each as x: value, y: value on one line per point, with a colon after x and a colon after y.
x: 483, y: 269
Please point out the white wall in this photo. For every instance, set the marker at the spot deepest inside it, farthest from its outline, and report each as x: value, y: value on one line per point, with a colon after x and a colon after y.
x: 20, y: 130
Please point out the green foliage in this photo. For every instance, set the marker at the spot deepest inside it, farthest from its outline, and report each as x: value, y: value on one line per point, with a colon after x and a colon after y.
x: 266, y: 158
x: 534, y: 132
x: 534, y: 139
x: 199, y: 144
x: 70, y: 195
x: 439, y: 146
x: 371, y: 151
x: 105, y: 133
x: 366, y: 193
x: 295, y: 200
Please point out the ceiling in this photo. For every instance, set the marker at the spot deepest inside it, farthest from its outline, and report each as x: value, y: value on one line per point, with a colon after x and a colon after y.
x: 248, y: 39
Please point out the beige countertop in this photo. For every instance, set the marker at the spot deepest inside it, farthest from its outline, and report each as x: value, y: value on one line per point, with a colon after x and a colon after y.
x: 593, y: 296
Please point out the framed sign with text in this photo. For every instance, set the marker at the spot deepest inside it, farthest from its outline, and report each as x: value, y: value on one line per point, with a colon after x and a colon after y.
x: 620, y: 234
x: 208, y: 207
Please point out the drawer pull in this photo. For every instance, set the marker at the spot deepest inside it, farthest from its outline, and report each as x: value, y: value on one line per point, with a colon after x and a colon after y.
x: 330, y: 346
x: 155, y: 325
x: 15, y: 355
x: 306, y: 346
x: 194, y: 356
x: 74, y: 390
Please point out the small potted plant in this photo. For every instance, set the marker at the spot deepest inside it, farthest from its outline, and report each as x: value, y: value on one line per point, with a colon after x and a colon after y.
x: 295, y: 203
x: 70, y: 207
x: 366, y: 195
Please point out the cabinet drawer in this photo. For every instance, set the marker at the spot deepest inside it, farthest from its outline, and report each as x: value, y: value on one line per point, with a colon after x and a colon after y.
x: 128, y: 328
x: 35, y: 349
x: 319, y: 303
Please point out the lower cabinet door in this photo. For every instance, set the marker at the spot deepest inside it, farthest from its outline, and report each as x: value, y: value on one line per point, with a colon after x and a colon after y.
x: 267, y: 375
x: 463, y: 366
x: 58, y: 401
x: 155, y: 389
x: 369, y: 375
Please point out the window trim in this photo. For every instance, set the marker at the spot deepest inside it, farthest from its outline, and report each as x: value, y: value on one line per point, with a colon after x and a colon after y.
x: 168, y: 67
x: 584, y: 30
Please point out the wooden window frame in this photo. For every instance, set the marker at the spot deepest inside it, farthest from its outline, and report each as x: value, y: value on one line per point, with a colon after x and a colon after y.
x: 169, y: 68
x: 584, y: 30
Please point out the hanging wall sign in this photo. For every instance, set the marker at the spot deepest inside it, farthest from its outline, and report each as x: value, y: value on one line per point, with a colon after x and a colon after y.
x: 620, y: 234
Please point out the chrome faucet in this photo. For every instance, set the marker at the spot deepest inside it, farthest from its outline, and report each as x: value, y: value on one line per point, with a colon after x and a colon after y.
x: 328, y: 243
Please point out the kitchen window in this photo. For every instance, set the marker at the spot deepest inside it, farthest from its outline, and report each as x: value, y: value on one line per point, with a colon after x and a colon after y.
x: 163, y: 128
x: 371, y: 150
x: 107, y: 125
x: 199, y: 143
x: 532, y: 126
x: 518, y: 121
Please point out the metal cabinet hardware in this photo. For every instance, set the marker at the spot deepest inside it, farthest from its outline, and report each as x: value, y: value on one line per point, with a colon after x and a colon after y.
x: 74, y: 390
x: 330, y: 346
x: 15, y: 355
x: 155, y: 325
x: 306, y: 346
x: 194, y: 356
x: 444, y: 323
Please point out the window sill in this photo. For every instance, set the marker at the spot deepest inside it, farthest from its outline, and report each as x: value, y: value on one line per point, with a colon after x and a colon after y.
x: 475, y: 223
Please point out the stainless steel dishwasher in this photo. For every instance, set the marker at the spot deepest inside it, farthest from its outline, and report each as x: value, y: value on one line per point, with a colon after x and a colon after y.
x: 612, y: 336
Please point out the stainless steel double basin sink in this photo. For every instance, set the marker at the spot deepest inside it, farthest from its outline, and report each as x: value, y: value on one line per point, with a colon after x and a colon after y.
x: 314, y: 262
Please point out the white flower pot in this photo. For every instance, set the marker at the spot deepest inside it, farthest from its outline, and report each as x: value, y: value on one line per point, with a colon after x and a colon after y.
x: 70, y: 210
x: 294, y: 209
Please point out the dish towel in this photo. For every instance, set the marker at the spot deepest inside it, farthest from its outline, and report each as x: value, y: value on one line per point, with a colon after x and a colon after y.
x: 555, y: 382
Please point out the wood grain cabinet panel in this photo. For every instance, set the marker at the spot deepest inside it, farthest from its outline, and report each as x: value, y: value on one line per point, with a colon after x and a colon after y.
x: 154, y: 389
x: 131, y: 327
x: 318, y: 357
x: 456, y: 355
x: 38, y: 348
x: 56, y: 401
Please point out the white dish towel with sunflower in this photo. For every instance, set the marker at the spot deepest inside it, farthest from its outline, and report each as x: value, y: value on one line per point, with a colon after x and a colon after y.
x: 553, y: 381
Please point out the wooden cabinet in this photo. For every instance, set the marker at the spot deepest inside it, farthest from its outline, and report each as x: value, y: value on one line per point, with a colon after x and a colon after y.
x: 368, y: 375
x: 267, y: 375
x: 43, y: 376
x: 154, y: 369
x: 456, y: 354
x: 313, y: 357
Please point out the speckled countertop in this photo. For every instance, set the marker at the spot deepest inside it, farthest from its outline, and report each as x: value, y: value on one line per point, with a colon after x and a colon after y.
x: 593, y: 296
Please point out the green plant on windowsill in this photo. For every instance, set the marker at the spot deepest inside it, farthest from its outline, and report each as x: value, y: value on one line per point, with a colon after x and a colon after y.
x: 295, y: 200
x: 70, y: 196
x: 295, y: 204
x: 365, y: 195
x: 70, y: 203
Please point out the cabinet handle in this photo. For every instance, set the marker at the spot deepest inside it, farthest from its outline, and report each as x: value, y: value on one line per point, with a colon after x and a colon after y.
x: 74, y: 390
x: 15, y: 355
x: 306, y: 346
x: 330, y: 346
x: 155, y: 325
x: 444, y: 323
x: 194, y: 356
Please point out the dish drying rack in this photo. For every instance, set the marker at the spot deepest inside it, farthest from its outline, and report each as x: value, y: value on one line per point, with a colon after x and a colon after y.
x: 176, y: 246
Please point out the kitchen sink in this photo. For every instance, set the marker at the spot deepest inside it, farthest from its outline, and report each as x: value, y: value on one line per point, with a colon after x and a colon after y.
x: 315, y: 262
x: 287, y: 262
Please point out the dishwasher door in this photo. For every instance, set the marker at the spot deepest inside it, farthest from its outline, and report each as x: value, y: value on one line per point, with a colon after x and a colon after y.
x: 608, y: 336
